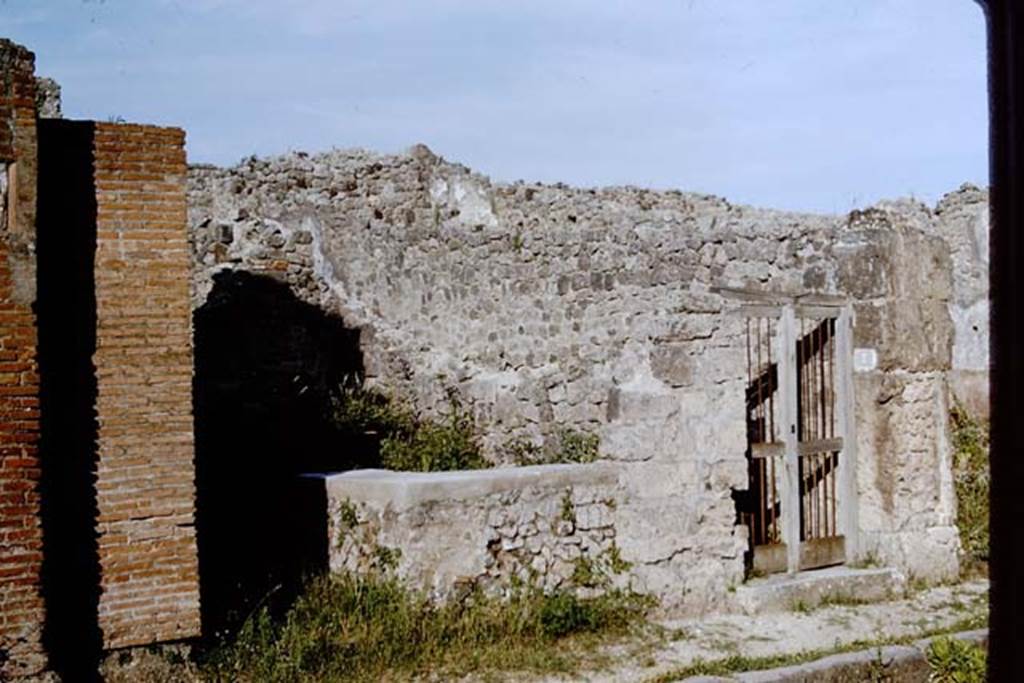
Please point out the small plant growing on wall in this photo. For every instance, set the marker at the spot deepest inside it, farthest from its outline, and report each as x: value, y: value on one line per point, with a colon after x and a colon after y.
x: 408, y: 441
x: 569, y: 446
x: 576, y: 446
x: 346, y: 519
x: 597, y: 571
x: 356, y: 409
x: 429, y: 446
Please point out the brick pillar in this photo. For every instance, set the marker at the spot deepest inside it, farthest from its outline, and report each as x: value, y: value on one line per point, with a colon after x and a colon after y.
x: 149, y: 589
x: 21, y: 604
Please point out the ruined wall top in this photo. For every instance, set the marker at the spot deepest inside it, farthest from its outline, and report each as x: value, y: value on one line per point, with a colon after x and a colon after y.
x: 48, y: 102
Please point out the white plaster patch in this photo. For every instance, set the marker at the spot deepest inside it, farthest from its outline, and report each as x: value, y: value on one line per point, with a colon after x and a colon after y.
x: 865, y: 360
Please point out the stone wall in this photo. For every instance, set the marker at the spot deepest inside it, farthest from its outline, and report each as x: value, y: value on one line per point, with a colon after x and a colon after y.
x: 899, y: 275
x: 964, y: 224
x: 445, y: 532
x: 48, y: 98
x: 547, y: 307
x: 21, y: 604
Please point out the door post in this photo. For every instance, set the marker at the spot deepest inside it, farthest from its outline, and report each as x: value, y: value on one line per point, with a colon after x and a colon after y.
x: 787, y: 399
x: 847, y: 423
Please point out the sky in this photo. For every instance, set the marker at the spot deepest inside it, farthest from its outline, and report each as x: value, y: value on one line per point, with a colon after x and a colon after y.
x: 809, y: 105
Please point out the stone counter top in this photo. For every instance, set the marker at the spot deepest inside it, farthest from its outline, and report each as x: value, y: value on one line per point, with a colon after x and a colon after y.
x: 403, y: 490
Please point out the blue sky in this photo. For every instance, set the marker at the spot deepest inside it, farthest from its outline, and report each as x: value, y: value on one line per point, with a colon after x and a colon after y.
x: 820, y: 105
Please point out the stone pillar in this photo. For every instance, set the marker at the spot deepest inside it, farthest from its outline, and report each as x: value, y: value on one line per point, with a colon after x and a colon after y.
x: 21, y: 603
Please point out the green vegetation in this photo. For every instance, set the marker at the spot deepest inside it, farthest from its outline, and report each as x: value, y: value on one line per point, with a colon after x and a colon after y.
x: 829, y: 600
x: 424, y: 445
x: 597, y: 571
x: 369, y: 628
x: 568, y: 513
x: 409, y: 441
x: 574, y: 446
x: 569, y: 445
x: 956, y: 661
x: 348, y: 519
x: 386, y: 559
x: 971, y: 479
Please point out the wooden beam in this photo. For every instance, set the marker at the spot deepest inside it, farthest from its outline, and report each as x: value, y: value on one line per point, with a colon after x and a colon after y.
x: 819, y: 446
x: 768, y: 450
x: 787, y: 403
x: 847, y: 424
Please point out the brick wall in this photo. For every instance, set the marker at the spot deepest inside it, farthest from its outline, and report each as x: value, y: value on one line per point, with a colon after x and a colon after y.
x: 145, y: 484
x: 21, y: 605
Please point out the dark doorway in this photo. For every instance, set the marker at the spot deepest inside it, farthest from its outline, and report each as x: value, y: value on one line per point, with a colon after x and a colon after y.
x: 266, y: 365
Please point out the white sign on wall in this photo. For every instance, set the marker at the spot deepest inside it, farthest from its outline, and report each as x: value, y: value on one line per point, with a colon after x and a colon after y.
x: 865, y: 360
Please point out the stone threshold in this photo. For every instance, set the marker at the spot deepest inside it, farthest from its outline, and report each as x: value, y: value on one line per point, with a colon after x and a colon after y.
x: 811, y: 589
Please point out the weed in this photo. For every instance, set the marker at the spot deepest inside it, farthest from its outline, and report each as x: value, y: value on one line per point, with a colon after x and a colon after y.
x: 427, y: 446
x: 568, y: 446
x: 840, y: 600
x: 347, y: 519
x: 575, y: 446
x: 869, y: 561
x: 956, y: 661
x: 408, y: 441
x: 616, y: 564
x: 879, y: 669
x: 597, y: 572
x: 385, y: 558
x: 916, y: 583
x: 524, y: 452
x: 568, y: 513
x: 587, y: 573
x: 971, y: 480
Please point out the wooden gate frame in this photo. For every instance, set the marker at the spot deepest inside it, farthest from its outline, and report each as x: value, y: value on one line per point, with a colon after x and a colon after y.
x: 786, y: 310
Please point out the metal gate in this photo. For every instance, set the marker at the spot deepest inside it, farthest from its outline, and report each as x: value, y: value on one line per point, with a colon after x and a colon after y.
x: 799, y: 501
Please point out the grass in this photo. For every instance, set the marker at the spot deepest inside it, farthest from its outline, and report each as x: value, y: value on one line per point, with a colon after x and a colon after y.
x: 736, y: 663
x: 829, y: 600
x: 368, y: 628
x: 971, y: 481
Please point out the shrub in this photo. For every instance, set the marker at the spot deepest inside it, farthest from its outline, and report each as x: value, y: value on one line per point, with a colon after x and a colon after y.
x: 409, y: 441
x: 348, y: 627
x: 971, y: 480
x: 956, y: 661
x: 356, y: 410
x: 428, y: 446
